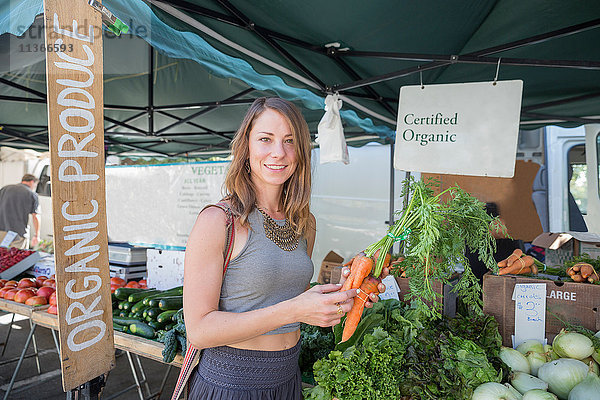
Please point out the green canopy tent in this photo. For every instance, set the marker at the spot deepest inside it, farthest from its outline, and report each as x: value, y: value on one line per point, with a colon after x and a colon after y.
x: 210, y: 58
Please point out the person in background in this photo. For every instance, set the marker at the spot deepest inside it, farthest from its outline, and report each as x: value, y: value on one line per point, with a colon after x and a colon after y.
x: 247, y: 318
x: 504, y: 247
x: 17, y: 202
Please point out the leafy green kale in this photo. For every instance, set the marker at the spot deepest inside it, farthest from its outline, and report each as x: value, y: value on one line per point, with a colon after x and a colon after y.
x: 317, y: 342
x: 371, y: 370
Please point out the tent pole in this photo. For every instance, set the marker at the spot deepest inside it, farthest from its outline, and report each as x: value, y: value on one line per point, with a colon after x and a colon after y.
x: 392, y: 178
x: 151, y: 93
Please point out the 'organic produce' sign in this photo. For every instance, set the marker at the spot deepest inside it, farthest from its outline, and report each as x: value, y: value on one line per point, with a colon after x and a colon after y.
x: 75, y: 120
x: 464, y: 128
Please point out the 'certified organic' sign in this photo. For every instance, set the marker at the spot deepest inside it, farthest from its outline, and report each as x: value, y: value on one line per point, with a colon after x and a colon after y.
x: 465, y: 128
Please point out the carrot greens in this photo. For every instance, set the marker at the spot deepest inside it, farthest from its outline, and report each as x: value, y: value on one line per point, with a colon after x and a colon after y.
x: 435, y: 230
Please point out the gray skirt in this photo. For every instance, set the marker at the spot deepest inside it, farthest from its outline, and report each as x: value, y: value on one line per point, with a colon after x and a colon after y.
x: 227, y: 373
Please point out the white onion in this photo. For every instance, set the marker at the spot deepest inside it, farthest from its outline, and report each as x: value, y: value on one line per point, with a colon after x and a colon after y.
x: 530, y: 345
x: 536, y: 360
x: 514, y: 391
x: 515, y: 360
x: 539, y: 394
x: 524, y: 382
x: 493, y: 391
x: 572, y: 345
x: 563, y: 375
x: 587, y: 389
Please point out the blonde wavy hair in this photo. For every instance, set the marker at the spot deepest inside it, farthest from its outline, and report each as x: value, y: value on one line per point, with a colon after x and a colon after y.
x: 239, y: 189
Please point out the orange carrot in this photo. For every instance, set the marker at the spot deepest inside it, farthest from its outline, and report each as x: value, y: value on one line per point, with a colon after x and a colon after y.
x: 513, y: 257
x: 502, y: 264
x: 368, y: 286
x: 361, y: 267
x: 518, y: 266
x: 386, y: 261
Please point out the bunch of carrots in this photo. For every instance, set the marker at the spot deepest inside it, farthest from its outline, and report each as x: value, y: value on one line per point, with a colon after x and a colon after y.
x: 360, y: 278
x: 582, y: 272
x: 517, y: 264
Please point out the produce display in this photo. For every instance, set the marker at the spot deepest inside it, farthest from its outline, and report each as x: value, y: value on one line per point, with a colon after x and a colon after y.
x: 435, y: 230
x: 567, y: 370
x: 29, y: 291
x: 400, y: 352
x: 12, y: 256
x: 151, y: 314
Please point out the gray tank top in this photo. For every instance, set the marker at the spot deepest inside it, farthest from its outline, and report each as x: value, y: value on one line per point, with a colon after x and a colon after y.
x: 263, y: 275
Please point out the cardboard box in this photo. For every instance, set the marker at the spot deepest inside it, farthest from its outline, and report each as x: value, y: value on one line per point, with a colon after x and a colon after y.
x: 330, y: 271
x: 573, y: 302
x: 561, y: 247
x: 449, y: 297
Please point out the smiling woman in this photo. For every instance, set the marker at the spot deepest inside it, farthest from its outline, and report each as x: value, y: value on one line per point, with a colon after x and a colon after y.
x: 247, y: 315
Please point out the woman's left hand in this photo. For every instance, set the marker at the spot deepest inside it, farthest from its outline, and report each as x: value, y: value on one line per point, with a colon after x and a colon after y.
x: 373, y: 298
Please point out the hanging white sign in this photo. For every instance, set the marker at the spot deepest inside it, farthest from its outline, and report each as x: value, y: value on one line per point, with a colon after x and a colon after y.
x: 463, y: 128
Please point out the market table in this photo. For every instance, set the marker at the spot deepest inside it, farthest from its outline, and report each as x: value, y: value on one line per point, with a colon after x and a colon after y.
x: 130, y: 344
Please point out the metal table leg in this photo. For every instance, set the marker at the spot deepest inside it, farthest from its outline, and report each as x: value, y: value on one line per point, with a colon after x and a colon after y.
x: 35, y: 349
x: 135, y: 377
x: 142, y: 373
x: 7, y: 334
x: 18, y: 367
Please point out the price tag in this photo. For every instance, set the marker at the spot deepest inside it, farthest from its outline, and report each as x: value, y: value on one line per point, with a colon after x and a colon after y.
x: 530, y: 312
x: 8, y: 239
x: 391, y: 288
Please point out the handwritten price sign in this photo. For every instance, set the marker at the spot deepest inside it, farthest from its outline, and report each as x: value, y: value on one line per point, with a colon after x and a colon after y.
x: 530, y: 312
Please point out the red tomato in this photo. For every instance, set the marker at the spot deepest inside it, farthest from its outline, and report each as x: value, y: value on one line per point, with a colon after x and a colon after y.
x: 22, y: 295
x: 36, y: 301
x: 114, y: 287
x: 10, y: 294
x: 115, y: 280
x: 2, y: 282
x: 26, y: 283
x: 40, y: 280
x: 4, y: 290
x: 45, y: 291
x: 52, y: 299
x: 11, y: 283
x: 52, y: 309
x: 53, y: 276
x: 133, y: 284
x: 49, y: 282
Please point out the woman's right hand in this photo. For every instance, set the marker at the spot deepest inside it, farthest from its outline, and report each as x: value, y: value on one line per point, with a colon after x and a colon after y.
x: 323, y: 305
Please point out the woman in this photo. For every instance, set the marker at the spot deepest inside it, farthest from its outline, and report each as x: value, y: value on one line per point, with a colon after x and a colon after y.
x: 248, y: 318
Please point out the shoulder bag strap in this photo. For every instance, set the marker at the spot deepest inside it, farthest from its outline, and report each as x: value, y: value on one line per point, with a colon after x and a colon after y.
x: 192, y: 354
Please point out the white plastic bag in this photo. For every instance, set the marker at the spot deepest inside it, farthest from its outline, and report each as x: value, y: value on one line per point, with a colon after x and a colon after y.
x: 330, y: 133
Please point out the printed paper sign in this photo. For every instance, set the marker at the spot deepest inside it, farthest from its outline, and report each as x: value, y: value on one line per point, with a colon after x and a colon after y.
x: 530, y: 312
x: 391, y: 288
x: 8, y: 239
x: 464, y: 128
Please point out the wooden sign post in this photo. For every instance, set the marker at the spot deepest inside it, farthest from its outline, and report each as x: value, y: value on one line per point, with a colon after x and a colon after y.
x: 74, y: 74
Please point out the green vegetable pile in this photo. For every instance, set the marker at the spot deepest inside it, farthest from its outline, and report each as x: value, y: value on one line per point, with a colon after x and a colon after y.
x: 436, y: 229
x: 410, y: 355
x: 174, y: 338
x: 317, y: 342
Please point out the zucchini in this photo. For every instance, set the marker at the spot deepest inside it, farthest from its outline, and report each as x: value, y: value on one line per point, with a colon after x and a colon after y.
x: 171, y: 303
x: 137, y: 296
x: 138, y: 306
x: 123, y: 293
x: 165, y: 316
x: 154, y: 302
x: 120, y: 306
x: 141, y: 329
x: 127, y: 306
x: 156, y: 325
x: 153, y: 312
x: 120, y: 328
x: 122, y: 313
x: 176, y: 291
x: 124, y: 320
x: 170, y: 326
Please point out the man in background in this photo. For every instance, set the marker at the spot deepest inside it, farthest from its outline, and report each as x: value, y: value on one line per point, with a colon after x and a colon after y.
x: 16, y: 203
